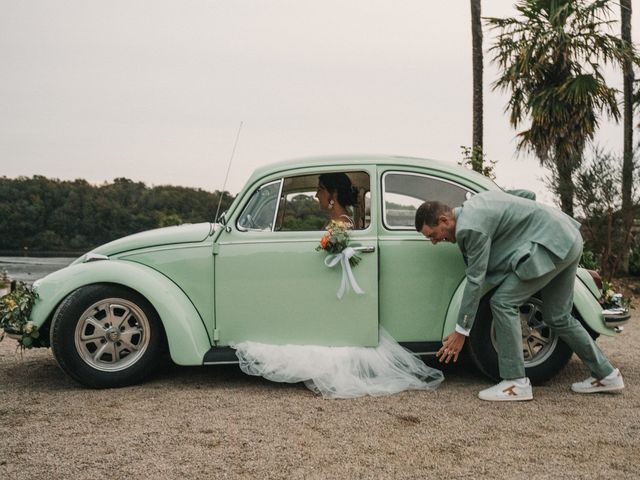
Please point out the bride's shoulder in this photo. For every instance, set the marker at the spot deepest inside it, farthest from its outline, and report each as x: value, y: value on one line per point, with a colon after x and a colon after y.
x: 346, y: 220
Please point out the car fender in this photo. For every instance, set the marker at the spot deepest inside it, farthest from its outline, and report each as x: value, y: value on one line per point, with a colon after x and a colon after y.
x: 186, y: 333
x: 590, y: 309
x: 583, y: 300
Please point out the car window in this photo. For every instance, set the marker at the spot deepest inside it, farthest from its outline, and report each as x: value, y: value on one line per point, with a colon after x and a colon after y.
x: 300, y: 212
x: 299, y: 209
x: 260, y: 211
x: 403, y: 193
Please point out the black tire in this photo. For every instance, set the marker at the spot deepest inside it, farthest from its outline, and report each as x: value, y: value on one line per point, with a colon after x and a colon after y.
x: 107, y: 336
x: 540, y: 365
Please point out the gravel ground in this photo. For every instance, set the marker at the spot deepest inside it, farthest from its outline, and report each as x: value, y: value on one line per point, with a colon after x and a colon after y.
x: 215, y: 422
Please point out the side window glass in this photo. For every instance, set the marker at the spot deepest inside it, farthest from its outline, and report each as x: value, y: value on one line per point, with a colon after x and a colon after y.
x: 260, y: 211
x: 303, y: 207
x: 300, y: 212
x: 405, y: 192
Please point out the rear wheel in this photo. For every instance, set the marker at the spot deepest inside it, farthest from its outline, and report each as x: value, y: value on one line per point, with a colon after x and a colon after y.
x: 106, y: 336
x: 545, y: 354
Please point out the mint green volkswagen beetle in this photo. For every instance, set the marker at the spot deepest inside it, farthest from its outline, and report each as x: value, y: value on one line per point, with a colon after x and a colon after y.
x: 256, y: 275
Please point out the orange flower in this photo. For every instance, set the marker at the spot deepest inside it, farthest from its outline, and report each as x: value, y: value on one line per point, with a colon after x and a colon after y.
x: 324, y: 240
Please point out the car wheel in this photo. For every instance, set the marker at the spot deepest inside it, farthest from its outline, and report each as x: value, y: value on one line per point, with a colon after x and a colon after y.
x: 106, y: 336
x: 545, y: 354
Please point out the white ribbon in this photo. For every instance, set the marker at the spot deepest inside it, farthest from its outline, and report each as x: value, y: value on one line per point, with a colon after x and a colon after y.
x: 348, y: 279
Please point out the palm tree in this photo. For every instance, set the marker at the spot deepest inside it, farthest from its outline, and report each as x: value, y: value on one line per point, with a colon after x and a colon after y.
x: 627, y: 156
x: 550, y: 59
x: 476, y: 40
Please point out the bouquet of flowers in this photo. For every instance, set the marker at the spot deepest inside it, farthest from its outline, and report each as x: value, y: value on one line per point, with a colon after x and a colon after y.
x: 336, y: 239
x: 15, y: 309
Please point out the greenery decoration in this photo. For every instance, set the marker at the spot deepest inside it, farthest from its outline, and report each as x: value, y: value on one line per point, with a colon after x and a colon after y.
x: 15, y: 310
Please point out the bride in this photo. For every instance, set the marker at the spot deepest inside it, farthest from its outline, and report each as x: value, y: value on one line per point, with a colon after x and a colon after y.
x: 340, y: 372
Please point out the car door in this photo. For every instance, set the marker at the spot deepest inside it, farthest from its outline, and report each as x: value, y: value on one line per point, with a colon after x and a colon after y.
x: 272, y: 286
x: 417, y: 279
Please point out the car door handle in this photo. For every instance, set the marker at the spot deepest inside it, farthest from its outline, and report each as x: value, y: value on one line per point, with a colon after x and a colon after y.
x: 365, y: 249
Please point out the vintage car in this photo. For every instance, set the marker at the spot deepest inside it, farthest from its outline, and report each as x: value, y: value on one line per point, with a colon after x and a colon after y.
x: 198, y: 289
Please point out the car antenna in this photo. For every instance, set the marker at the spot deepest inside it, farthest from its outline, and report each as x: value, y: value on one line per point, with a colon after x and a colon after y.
x: 233, y: 152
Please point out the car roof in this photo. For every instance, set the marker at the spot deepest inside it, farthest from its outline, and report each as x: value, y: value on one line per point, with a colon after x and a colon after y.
x: 374, y: 159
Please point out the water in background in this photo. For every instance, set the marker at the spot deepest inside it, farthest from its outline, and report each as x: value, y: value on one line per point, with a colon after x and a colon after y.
x: 29, y: 269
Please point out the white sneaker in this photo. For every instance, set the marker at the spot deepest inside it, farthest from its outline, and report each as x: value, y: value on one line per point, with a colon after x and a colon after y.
x: 610, y: 383
x: 507, y: 391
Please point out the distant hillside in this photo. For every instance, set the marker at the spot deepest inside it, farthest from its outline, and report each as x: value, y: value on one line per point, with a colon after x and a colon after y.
x: 45, y: 214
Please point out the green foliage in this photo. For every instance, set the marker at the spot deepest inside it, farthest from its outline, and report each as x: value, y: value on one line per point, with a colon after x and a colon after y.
x: 599, y: 198
x: 303, y: 213
x: 52, y: 215
x: 475, y: 159
x: 551, y: 58
x: 589, y: 260
x: 168, y: 220
x: 634, y: 262
x: 15, y: 309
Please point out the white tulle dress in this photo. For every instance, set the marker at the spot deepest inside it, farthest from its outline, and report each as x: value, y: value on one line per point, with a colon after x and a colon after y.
x: 341, y: 372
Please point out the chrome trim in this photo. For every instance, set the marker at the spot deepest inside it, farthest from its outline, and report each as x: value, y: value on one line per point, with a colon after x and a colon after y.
x: 365, y: 249
x: 614, y: 317
x: 94, y: 257
x: 275, y: 211
x: 290, y: 240
x: 229, y: 362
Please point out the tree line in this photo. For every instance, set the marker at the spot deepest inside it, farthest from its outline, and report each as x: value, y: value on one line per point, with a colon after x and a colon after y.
x: 42, y: 214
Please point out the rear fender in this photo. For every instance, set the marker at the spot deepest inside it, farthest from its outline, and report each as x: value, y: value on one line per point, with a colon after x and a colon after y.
x: 584, y: 302
x: 186, y: 333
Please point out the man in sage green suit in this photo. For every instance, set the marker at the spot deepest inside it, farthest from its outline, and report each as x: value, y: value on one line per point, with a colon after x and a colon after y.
x: 521, y: 247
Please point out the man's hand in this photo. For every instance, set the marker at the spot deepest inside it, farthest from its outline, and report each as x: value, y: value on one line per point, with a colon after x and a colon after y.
x: 451, y: 346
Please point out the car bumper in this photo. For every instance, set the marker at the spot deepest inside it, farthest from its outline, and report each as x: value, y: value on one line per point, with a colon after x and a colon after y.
x: 12, y: 334
x: 616, y: 317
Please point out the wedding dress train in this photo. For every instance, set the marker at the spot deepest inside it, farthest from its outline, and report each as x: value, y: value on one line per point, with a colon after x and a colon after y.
x: 341, y: 372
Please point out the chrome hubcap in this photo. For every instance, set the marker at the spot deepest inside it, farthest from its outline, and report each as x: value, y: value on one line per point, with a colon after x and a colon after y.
x: 538, y: 340
x: 112, y: 334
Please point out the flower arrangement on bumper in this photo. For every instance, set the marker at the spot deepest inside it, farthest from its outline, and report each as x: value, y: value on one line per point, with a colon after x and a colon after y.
x: 336, y: 243
x: 15, y: 309
x: 612, y: 300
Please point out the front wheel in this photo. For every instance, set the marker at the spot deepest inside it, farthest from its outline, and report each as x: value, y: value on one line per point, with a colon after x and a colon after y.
x: 106, y: 336
x: 545, y: 354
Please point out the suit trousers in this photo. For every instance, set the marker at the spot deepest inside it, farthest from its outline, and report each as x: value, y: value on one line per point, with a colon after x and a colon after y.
x: 556, y: 288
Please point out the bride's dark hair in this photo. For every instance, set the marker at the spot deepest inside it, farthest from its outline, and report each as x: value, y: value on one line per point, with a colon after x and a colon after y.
x: 339, y: 182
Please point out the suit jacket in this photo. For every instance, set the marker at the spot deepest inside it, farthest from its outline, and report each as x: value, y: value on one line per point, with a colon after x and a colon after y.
x: 499, y: 233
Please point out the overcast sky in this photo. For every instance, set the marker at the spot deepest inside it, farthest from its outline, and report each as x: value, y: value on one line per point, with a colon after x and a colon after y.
x: 155, y: 90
